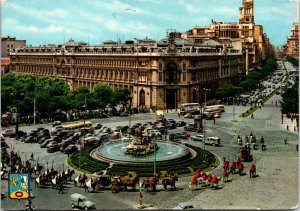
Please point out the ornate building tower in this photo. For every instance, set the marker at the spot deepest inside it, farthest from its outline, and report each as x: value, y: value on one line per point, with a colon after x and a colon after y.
x: 246, y: 12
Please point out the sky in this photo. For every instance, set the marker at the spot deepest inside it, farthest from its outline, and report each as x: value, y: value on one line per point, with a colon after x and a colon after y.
x: 42, y: 22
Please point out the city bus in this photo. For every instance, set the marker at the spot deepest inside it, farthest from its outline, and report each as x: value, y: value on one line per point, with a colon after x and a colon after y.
x: 214, y: 108
x: 193, y: 108
x: 77, y: 125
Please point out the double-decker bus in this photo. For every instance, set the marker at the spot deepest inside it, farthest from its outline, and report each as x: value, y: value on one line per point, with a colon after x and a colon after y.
x: 193, y: 108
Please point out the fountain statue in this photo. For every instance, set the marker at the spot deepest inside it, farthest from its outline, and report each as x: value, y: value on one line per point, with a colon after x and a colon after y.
x: 141, y: 144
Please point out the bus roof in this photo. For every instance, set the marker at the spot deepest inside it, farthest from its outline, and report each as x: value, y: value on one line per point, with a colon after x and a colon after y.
x: 75, y: 124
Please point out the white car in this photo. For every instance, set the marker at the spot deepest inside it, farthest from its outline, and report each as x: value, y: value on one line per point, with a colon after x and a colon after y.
x: 185, y: 206
x: 199, y: 137
x: 214, y: 140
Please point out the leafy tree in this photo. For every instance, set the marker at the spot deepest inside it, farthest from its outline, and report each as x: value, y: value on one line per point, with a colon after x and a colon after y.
x: 120, y: 96
x: 290, y: 100
x: 102, y: 95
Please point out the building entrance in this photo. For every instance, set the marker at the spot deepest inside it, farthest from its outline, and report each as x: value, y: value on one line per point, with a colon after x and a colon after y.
x: 171, y: 98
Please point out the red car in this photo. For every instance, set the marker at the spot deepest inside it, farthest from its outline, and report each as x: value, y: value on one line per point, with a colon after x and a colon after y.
x: 186, y: 133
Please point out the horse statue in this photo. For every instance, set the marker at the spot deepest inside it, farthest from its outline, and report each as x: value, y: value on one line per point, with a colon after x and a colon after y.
x: 127, y: 182
x: 150, y: 183
x: 170, y: 181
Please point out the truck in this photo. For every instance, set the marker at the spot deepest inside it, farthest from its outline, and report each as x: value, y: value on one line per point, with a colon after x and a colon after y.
x: 213, y: 140
x: 78, y: 200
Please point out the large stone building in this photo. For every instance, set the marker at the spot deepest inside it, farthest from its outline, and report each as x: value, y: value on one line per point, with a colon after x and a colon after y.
x: 292, y: 46
x: 244, y: 35
x: 161, y: 74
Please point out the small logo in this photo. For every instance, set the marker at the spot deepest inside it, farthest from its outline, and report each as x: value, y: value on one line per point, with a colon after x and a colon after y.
x: 18, y: 186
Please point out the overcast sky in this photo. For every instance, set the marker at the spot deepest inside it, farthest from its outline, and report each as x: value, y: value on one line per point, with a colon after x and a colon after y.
x: 94, y: 21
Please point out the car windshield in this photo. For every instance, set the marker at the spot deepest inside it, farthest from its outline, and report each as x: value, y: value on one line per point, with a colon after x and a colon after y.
x: 83, y: 199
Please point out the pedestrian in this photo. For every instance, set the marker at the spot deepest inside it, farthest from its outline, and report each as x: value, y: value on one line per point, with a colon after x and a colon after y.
x: 287, y: 127
x: 285, y: 140
x: 178, y: 114
x: 31, y: 156
x: 276, y: 103
x: 214, y: 120
x: 252, y: 117
x: 297, y: 147
x: 259, y: 107
x: 61, y: 188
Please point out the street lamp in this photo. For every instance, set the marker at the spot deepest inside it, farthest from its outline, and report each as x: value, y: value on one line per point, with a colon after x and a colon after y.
x: 84, y: 116
x: 16, y: 105
x: 205, y: 90
x: 130, y: 102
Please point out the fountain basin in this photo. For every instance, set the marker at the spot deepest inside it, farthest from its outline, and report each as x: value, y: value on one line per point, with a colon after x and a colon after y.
x: 114, y: 152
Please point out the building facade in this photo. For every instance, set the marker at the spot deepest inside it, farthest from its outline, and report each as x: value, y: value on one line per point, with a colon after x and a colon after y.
x: 292, y: 46
x: 161, y: 74
x: 8, y: 44
x: 245, y: 35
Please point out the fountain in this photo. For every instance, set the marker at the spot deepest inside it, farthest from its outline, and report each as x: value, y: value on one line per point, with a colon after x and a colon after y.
x: 141, y: 145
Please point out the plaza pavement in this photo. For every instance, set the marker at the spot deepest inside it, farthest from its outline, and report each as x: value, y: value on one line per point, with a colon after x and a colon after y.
x: 276, y: 186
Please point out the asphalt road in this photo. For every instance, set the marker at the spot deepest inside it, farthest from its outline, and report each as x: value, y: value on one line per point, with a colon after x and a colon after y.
x: 224, y: 127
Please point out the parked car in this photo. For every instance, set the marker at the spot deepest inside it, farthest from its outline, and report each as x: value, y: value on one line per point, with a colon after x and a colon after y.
x: 51, y: 143
x: 88, y: 141
x: 101, y: 137
x: 30, y: 139
x: 188, y: 115
x: 180, y: 124
x: 55, y: 123
x: 70, y: 149
x: 78, y: 200
x: 9, y: 133
x: 98, y: 126
x: 190, y: 127
x: 198, y: 137
x: 184, y: 206
x: 44, y: 144
x: 53, y: 148
x: 214, y: 140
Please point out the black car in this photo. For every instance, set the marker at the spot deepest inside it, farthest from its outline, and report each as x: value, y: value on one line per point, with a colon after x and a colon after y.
x: 70, y: 149
x: 180, y: 124
x: 41, y: 140
x: 53, y: 148
x: 9, y: 133
x: 30, y: 139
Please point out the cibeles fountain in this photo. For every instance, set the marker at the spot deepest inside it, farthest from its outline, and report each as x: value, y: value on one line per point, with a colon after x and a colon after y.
x: 146, y: 154
x: 141, y: 148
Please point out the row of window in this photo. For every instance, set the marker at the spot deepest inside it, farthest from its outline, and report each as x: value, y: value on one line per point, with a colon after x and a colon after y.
x: 106, y: 62
x: 33, y: 60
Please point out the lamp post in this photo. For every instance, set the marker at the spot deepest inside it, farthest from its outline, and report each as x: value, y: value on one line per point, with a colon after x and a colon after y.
x: 16, y: 105
x: 154, y: 165
x: 84, y: 116
x: 130, y: 102
x: 233, y: 111
x: 205, y: 90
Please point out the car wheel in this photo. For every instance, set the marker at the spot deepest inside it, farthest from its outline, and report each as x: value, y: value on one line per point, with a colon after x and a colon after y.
x: 214, y: 145
x: 72, y: 205
x: 86, y: 208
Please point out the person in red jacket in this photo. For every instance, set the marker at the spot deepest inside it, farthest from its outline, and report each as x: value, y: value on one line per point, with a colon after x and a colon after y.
x: 226, y: 164
x: 232, y: 167
x: 214, y: 181
x: 252, y: 170
x: 225, y: 175
x: 241, y: 168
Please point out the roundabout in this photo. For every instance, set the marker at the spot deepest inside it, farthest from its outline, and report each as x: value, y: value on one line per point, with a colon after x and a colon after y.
x: 170, y: 157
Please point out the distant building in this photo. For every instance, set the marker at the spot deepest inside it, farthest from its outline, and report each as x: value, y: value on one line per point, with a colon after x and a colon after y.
x: 160, y: 75
x: 245, y: 35
x: 292, y: 46
x: 8, y: 44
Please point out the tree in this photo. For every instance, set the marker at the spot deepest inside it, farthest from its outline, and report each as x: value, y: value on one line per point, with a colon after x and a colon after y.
x: 120, y: 96
x: 290, y: 100
x: 102, y: 95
